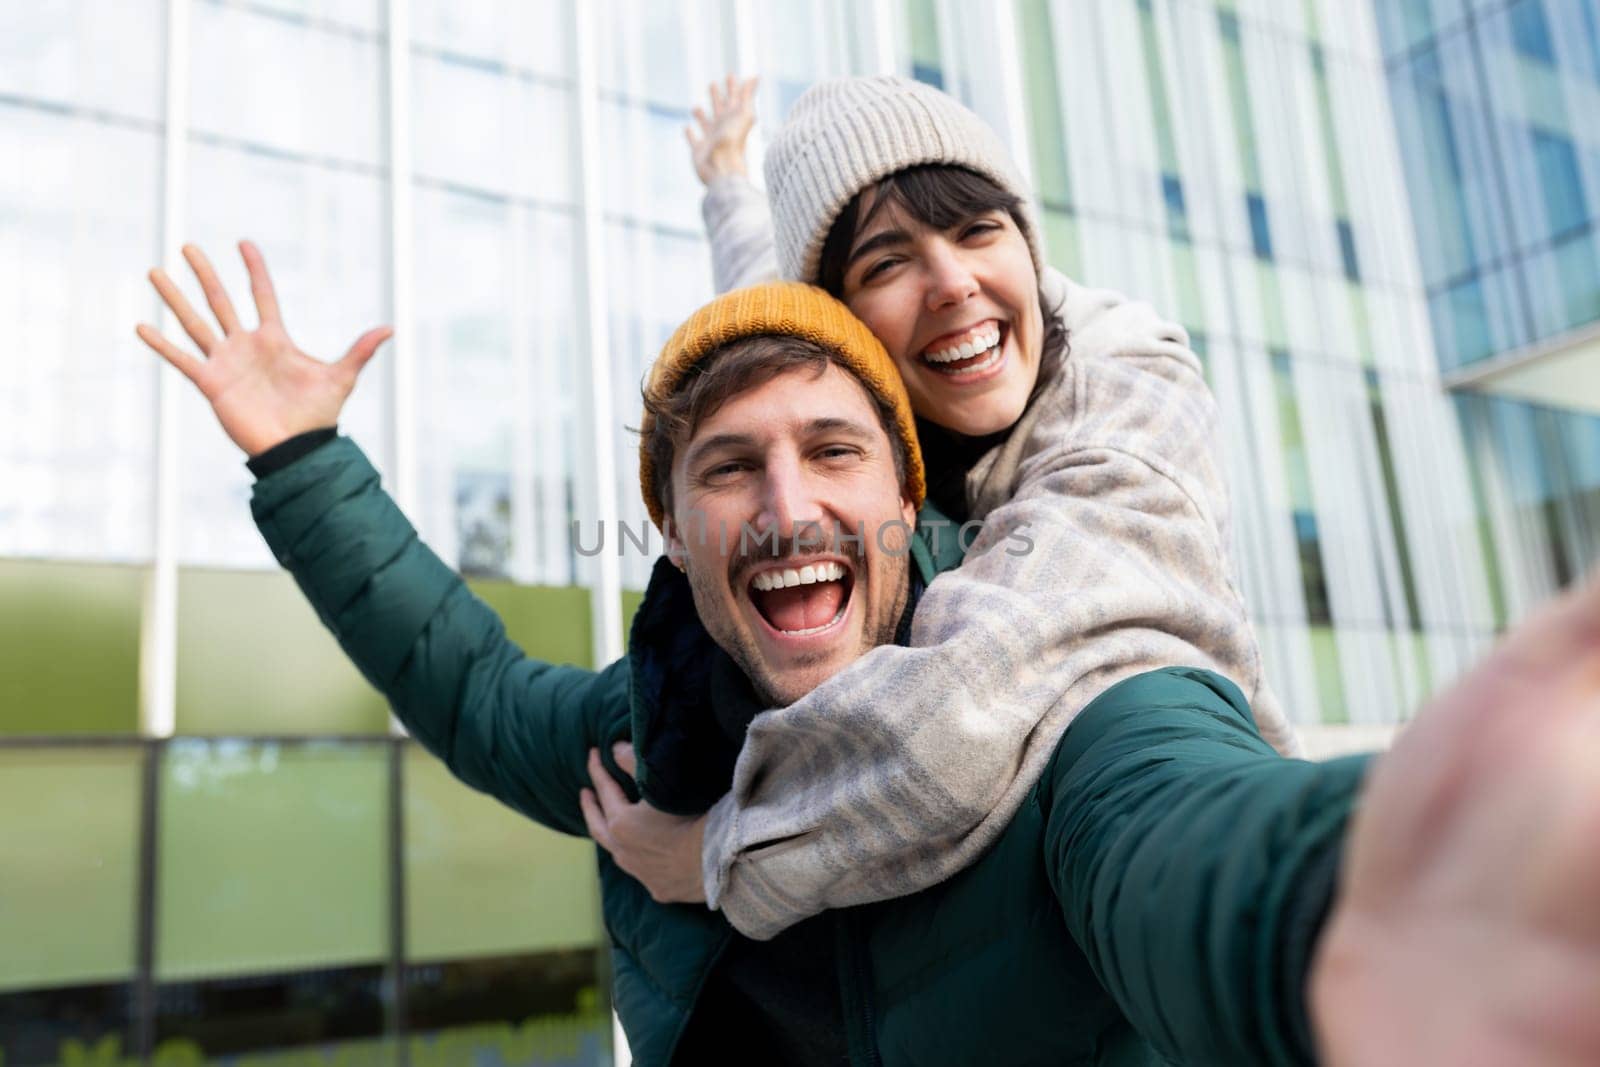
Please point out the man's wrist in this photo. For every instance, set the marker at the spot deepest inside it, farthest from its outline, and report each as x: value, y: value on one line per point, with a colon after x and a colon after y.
x: 290, y: 449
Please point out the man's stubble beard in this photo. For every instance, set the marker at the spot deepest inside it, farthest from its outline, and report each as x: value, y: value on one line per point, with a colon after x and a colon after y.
x: 740, y: 647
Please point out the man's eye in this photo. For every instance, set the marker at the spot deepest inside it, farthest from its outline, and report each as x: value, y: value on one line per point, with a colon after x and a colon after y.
x: 723, y: 469
x: 837, y: 452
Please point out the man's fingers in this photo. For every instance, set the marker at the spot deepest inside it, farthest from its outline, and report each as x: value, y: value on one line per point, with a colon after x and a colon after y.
x: 186, y: 364
x: 211, y: 285
x: 260, y: 284
x: 188, y: 318
x: 364, y: 348
x: 595, y: 820
x: 612, y: 798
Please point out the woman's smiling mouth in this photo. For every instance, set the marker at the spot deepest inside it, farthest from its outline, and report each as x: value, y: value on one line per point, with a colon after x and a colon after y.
x: 970, y: 355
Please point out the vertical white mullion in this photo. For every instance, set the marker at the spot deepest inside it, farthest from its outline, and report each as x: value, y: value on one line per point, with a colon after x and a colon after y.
x: 599, y: 482
x: 158, y: 630
x: 402, y: 249
x: 883, y: 50
x: 402, y: 360
x: 1013, y: 94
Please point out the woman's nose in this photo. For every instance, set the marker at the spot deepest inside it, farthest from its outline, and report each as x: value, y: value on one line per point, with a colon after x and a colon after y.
x: 950, y: 277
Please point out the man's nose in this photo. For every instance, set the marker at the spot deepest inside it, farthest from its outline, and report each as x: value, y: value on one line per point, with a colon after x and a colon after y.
x: 950, y: 276
x: 789, y: 499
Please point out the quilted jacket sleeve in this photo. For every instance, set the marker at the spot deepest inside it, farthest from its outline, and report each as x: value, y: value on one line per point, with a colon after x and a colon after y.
x: 1194, y: 865
x: 510, y: 726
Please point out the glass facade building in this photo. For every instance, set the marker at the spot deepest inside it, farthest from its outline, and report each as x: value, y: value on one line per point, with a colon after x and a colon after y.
x: 216, y: 846
x: 1495, y: 104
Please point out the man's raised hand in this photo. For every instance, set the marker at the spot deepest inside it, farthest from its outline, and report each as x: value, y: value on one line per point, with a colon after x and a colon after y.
x: 263, y: 388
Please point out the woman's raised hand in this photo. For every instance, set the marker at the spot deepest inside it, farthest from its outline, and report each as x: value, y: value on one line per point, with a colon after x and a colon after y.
x: 263, y: 389
x: 718, y: 149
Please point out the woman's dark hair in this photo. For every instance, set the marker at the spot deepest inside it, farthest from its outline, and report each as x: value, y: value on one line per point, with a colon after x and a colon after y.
x: 940, y: 196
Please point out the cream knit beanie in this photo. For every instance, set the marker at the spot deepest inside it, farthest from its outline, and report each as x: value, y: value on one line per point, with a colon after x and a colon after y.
x: 846, y: 134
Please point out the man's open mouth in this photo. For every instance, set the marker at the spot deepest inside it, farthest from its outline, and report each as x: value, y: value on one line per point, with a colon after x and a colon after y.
x: 804, y: 600
x: 973, y: 352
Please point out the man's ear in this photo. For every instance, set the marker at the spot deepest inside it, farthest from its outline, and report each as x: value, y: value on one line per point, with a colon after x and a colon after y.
x: 908, y: 512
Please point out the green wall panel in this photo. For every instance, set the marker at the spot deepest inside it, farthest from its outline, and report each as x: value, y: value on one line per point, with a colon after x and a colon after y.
x: 253, y: 658
x: 272, y: 857
x: 482, y: 880
x: 69, y: 647
x: 69, y: 853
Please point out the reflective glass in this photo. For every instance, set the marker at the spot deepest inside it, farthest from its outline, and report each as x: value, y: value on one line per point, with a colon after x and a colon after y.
x: 100, y: 55
x: 529, y: 35
x: 79, y: 215
x: 273, y: 857
x: 312, y: 90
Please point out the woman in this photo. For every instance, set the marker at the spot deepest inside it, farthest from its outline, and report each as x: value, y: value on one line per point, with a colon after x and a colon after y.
x: 1066, y: 416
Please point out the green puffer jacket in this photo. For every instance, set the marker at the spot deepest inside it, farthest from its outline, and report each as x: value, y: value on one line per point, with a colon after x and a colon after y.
x: 1154, y: 901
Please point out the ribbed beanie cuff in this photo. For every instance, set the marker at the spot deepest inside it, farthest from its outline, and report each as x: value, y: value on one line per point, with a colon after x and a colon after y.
x: 845, y: 135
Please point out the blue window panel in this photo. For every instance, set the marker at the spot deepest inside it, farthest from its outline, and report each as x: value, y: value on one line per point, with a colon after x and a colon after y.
x: 1260, y: 231
x: 1229, y: 23
x: 1530, y: 32
x: 933, y: 76
x: 1559, y: 181
x: 1177, y: 208
x: 1347, y: 250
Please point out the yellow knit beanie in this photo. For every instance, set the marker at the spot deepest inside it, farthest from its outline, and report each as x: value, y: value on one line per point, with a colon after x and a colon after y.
x: 782, y: 309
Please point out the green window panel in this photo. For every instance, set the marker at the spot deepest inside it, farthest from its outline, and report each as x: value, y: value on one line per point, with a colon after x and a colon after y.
x: 1047, y: 127
x: 1062, y: 242
x: 69, y: 647
x: 272, y: 857
x: 483, y: 880
x: 275, y: 669
x: 926, y: 63
x: 253, y: 658
x: 69, y: 820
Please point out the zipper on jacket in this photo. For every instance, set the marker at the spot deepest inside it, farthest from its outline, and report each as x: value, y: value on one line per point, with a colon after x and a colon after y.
x: 855, y: 993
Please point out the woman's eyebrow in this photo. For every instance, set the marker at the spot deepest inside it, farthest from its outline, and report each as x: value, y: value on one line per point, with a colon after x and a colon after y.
x: 881, y: 239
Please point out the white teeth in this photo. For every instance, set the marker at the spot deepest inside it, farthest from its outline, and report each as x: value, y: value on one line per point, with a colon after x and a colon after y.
x: 981, y: 341
x: 807, y: 575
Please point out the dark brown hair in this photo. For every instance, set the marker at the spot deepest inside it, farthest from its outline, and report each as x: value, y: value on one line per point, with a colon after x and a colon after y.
x: 724, y: 374
x: 940, y: 196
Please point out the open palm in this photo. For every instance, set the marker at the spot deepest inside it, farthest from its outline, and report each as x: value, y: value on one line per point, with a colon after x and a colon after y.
x: 262, y: 387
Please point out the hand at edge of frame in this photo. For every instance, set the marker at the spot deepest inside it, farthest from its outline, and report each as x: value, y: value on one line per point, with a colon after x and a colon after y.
x: 1466, y: 927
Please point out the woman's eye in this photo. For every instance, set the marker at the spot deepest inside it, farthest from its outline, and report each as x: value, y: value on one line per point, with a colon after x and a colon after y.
x: 979, y: 228
x: 877, y: 269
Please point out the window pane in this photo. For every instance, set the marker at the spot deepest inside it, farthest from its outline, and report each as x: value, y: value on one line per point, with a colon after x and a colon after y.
x: 312, y: 90
x: 69, y: 647
x: 78, y: 215
x: 104, y: 55
x: 69, y: 875
x: 483, y: 880
x: 272, y: 857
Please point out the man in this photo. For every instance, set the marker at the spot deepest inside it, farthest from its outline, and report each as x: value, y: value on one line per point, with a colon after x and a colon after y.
x: 1164, y: 892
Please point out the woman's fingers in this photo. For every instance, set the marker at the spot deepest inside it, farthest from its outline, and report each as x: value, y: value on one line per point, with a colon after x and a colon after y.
x: 188, y: 318
x: 595, y: 820
x: 211, y: 285
x: 612, y: 798
x: 260, y: 283
x: 187, y: 365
